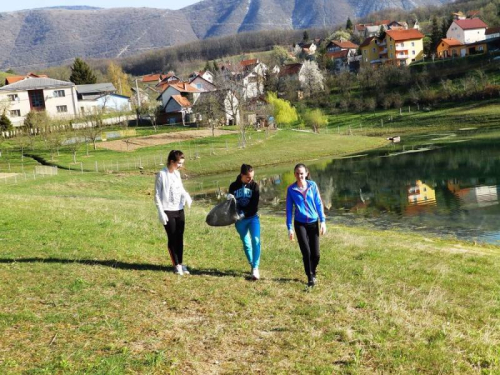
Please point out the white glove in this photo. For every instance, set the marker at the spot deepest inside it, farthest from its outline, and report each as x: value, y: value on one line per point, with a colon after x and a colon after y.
x: 163, y: 217
x: 241, y: 215
x: 230, y: 196
x: 322, y: 228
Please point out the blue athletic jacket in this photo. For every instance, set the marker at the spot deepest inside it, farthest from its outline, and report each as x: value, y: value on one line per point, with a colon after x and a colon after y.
x: 308, y: 205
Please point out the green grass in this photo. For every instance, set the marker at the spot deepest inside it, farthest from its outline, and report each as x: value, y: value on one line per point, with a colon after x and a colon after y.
x: 211, y: 154
x: 450, y: 117
x: 87, y: 288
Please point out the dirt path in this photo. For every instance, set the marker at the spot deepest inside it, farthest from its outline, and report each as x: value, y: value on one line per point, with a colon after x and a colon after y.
x: 132, y: 144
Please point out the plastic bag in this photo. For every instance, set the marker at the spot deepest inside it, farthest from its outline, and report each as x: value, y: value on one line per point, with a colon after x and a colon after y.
x: 223, y: 214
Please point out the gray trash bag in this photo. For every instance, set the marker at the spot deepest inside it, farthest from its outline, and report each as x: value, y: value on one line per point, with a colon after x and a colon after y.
x: 223, y: 214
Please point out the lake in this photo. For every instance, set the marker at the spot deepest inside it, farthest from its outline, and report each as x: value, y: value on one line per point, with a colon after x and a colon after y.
x: 444, y: 184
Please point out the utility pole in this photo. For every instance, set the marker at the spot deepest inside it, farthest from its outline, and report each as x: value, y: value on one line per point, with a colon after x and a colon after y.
x: 138, y: 101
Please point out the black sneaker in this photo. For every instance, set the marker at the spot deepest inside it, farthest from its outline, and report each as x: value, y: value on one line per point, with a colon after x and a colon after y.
x: 311, y: 283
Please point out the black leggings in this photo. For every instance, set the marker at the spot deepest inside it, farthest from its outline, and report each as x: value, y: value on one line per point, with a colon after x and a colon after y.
x: 308, y: 237
x: 175, y: 233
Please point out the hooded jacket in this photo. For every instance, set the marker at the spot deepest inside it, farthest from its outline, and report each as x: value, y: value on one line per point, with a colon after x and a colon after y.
x: 247, y: 196
x: 308, y: 205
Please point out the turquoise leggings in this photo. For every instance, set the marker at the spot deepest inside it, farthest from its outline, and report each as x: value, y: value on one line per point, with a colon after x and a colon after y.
x: 249, y: 231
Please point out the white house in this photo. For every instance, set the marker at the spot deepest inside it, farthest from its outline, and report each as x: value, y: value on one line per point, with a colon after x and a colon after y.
x: 179, y: 88
x: 101, y: 97
x: 467, y: 31
x: 253, y: 77
x: 57, y: 98
x: 201, y: 83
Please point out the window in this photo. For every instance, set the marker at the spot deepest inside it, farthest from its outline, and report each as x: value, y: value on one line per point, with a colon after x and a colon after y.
x: 13, y: 97
x: 402, y: 44
x: 15, y: 113
x: 59, y: 94
x: 198, y: 86
x: 62, y: 108
x: 413, y: 52
x: 391, y: 46
x: 373, y: 49
x: 413, y: 44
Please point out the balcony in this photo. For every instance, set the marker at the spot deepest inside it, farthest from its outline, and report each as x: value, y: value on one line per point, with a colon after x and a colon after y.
x: 383, y: 52
x: 399, y: 57
x: 399, y: 48
x: 382, y: 44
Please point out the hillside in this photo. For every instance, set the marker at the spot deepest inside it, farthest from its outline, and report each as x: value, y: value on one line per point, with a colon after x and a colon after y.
x: 53, y: 36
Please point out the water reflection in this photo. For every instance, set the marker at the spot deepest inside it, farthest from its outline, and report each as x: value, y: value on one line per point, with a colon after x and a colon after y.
x: 452, y: 190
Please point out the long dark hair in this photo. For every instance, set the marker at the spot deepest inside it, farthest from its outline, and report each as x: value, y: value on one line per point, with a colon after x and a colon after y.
x: 246, y: 168
x: 174, y: 156
x: 300, y: 165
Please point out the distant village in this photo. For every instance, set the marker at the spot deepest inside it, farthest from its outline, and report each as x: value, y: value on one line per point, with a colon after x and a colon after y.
x: 223, y: 87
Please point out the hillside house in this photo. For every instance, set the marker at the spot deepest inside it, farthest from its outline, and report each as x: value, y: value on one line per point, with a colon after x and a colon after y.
x: 343, y: 54
x: 470, y: 30
x: 153, y: 78
x: 201, y: 83
x: 175, y: 110
x: 454, y: 48
x: 366, y: 30
x: 101, y: 97
x: 399, y: 47
x: 492, y: 32
x: 205, y: 74
x: 252, y: 78
x: 57, y: 98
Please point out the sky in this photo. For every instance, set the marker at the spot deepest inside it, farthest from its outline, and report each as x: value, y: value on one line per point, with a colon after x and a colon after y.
x: 9, y: 6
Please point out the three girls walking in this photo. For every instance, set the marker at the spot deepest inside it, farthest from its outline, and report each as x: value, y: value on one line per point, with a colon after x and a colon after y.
x: 303, y: 201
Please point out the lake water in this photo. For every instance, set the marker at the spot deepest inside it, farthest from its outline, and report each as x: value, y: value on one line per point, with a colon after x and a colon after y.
x: 440, y: 183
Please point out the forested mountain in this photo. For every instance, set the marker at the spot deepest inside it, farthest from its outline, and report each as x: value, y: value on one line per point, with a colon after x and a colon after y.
x: 53, y: 36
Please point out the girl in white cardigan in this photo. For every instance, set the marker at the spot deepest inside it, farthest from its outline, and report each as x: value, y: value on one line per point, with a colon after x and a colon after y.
x: 170, y: 199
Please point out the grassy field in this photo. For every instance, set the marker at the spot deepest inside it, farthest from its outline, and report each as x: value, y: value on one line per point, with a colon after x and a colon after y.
x: 208, y: 155
x: 87, y: 288
x: 450, y: 117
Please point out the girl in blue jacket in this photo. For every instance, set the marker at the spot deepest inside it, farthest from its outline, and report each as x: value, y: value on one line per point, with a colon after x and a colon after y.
x: 304, y: 196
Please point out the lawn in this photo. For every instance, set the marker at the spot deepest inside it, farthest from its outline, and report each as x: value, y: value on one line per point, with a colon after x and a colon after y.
x: 87, y: 288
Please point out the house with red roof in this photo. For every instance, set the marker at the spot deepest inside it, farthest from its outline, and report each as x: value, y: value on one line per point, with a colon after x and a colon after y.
x: 343, y: 54
x: 469, y: 30
x: 454, y: 48
x: 398, y: 47
x: 13, y: 79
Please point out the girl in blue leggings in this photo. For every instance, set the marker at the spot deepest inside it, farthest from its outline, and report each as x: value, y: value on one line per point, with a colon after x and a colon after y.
x: 246, y: 192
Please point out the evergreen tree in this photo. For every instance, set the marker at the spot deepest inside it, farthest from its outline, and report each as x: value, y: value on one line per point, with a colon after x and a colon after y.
x: 348, y: 25
x: 305, y: 36
x: 381, y: 32
x: 215, y: 66
x: 81, y: 73
x: 435, y: 34
x: 444, y: 28
x: 207, y: 66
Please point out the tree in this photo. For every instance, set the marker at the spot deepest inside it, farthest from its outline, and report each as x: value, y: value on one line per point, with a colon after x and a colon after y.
x: 119, y: 79
x: 348, y: 25
x: 315, y: 119
x: 278, y: 56
x: 381, y: 32
x: 305, y: 36
x: 81, y: 73
x: 435, y: 34
x: 152, y: 110
x: 5, y: 123
x: 311, y: 79
x: 208, y: 111
x: 283, y: 112
x: 340, y: 35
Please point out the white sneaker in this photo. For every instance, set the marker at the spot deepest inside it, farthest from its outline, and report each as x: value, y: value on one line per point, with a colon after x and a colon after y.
x: 185, y: 270
x: 255, y: 274
x: 178, y: 270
